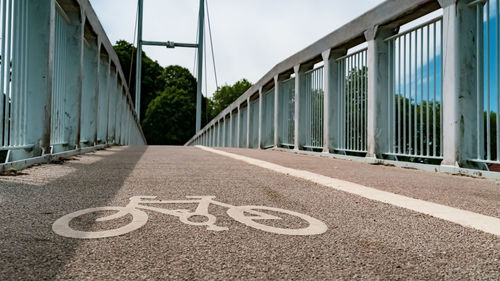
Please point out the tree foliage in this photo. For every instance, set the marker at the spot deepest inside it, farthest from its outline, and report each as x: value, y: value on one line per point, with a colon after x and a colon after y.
x: 151, y: 70
x: 227, y: 94
x: 169, y: 118
x: 168, y: 98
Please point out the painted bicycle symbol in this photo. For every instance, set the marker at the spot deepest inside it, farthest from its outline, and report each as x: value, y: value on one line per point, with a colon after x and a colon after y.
x: 248, y: 215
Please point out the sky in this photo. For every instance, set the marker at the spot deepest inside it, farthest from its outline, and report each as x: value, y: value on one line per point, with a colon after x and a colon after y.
x: 249, y: 37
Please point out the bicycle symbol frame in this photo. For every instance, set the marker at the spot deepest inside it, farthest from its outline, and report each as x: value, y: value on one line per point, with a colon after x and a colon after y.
x: 247, y: 215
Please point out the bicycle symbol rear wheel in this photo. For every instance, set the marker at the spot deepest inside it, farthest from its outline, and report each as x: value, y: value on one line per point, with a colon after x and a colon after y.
x: 238, y: 213
x: 62, y: 227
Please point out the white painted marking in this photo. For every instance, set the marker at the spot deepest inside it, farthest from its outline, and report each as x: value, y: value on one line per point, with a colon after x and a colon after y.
x: 247, y: 215
x: 465, y: 218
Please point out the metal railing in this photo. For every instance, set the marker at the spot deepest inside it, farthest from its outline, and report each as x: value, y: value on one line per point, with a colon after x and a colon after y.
x: 267, y: 138
x: 352, y: 102
x: 61, y: 84
x: 227, y: 132
x: 253, y: 138
x: 286, y: 115
x: 488, y: 97
x: 234, y: 129
x: 415, y: 67
x: 429, y: 93
x: 243, y: 115
x: 313, y: 106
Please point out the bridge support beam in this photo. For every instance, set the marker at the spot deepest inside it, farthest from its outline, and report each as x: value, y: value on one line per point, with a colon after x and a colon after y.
x: 460, y: 81
x: 377, y: 91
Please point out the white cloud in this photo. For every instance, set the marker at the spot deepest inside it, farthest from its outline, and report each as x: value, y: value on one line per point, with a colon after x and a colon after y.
x: 250, y: 37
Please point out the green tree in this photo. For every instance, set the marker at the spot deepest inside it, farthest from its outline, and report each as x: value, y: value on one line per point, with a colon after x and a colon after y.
x: 226, y: 94
x: 164, y: 91
x: 170, y: 118
x: 151, y: 70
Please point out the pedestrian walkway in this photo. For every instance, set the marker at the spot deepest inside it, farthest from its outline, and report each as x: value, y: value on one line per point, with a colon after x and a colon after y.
x: 323, y: 234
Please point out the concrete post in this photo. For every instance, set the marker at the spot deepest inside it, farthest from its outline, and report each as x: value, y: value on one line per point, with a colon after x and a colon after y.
x: 40, y: 66
x: 331, y: 83
x: 217, y: 144
x: 377, y: 91
x: 299, y: 139
x: 214, y: 135
x: 276, y: 110
x: 259, y: 141
x: 327, y: 92
x: 248, y: 123
x: 230, y: 129
x: 459, y: 81
x: 238, y: 128
x: 298, y: 74
x: 223, y: 139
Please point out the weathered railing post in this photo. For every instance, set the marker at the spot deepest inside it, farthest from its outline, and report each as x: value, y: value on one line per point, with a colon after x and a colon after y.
x: 259, y: 140
x: 230, y: 128
x: 73, y: 77
x: 460, y: 34
x: 248, y: 123
x: 276, y: 111
x: 331, y: 102
x: 298, y: 133
x: 37, y: 40
x: 378, y: 91
x: 238, y: 126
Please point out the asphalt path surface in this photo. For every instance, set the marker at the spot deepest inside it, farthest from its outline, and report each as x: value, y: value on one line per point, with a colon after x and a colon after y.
x: 365, y: 239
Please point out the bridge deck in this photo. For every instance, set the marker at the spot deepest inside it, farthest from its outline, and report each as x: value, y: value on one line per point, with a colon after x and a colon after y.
x: 365, y: 239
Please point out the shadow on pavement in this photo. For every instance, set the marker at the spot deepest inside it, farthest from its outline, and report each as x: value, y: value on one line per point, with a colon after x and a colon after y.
x: 29, y: 250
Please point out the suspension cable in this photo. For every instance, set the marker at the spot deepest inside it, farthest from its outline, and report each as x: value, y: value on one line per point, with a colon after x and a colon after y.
x: 206, y: 76
x: 196, y: 50
x: 132, y: 54
x: 211, y: 44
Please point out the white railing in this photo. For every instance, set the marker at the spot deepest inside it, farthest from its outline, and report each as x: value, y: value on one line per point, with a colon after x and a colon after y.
x: 61, y: 85
x: 427, y: 94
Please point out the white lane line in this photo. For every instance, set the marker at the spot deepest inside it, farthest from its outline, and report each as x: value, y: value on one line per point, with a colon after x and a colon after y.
x: 462, y: 217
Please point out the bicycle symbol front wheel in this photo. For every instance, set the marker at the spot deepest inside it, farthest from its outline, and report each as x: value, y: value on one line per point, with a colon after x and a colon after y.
x: 62, y: 227
x: 238, y: 213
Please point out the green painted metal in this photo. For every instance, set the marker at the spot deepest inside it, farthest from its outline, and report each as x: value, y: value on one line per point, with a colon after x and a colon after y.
x: 61, y: 87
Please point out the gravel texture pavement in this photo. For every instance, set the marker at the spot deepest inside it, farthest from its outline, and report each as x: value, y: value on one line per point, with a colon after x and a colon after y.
x: 365, y: 240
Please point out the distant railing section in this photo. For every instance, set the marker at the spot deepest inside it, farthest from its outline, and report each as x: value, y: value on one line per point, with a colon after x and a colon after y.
x: 61, y: 84
x: 425, y: 90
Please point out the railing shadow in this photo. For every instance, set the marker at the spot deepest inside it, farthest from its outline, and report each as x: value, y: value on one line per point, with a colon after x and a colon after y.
x: 29, y: 250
